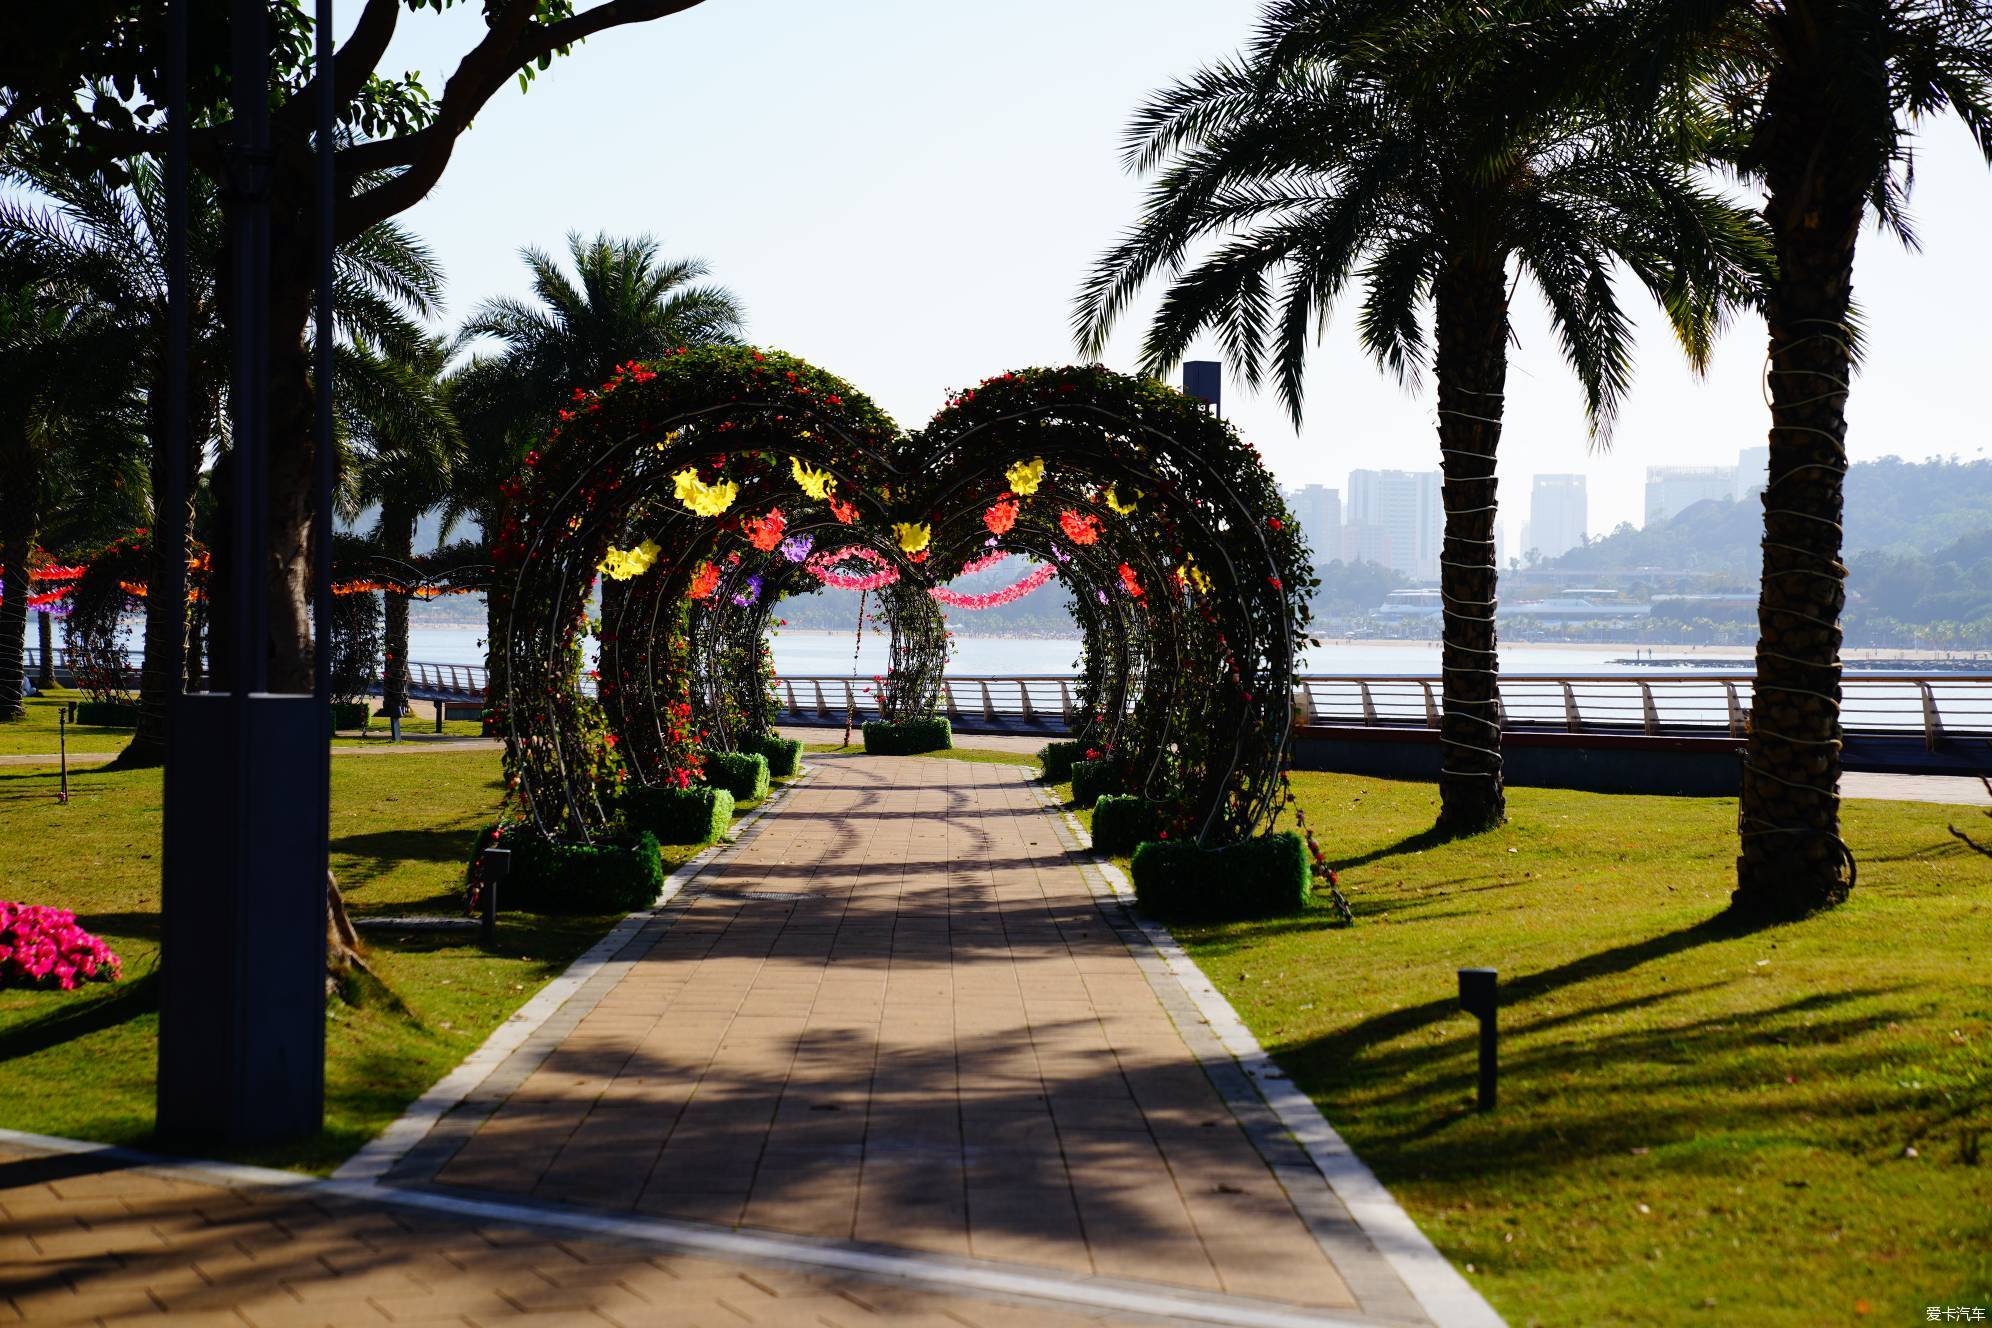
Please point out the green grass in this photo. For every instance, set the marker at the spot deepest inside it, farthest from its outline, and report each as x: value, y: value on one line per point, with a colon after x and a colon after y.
x: 81, y: 1064
x: 37, y: 735
x: 984, y: 755
x: 1697, y: 1124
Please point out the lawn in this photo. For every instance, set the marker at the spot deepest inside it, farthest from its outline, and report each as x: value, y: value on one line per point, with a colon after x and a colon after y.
x: 1697, y: 1124
x: 38, y: 735
x: 81, y: 1064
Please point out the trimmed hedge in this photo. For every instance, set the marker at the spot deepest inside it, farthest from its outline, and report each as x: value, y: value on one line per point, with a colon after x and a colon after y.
x: 1090, y: 779
x: 678, y: 816
x: 1259, y: 878
x: 582, y: 878
x: 784, y: 754
x: 1056, y: 758
x: 909, y: 737
x: 1121, y: 821
x: 108, y: 714
x: 743, y: 774
x: 350, y: 714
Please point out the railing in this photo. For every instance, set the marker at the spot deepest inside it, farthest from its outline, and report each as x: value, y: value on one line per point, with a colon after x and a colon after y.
x: 1937, y: 706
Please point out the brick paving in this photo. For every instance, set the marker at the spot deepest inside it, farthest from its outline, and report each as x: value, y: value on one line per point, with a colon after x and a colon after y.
x: 897, y: 1014
x: 86, y: 1241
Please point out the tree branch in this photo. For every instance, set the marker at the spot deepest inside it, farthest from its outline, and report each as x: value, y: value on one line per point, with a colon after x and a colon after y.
x: 512, y: 42
x: 352, y: 63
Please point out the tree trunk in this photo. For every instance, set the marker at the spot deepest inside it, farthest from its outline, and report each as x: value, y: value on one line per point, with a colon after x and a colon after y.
x: 165, y: 618
x: 1472, y: 364
x: 1793, y: 860
x: 397, y: 533
x: 45, y: 629
x: 16, y: 539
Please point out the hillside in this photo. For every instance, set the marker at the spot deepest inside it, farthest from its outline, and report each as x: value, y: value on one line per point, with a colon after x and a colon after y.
x: 1893, y: 506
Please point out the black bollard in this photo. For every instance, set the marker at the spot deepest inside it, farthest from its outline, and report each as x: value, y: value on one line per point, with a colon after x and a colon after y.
x: 1477, y: 998
x: 497, y: 866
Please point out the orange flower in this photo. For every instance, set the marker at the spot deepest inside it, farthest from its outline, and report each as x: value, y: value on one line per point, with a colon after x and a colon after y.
x: 1002, y: 515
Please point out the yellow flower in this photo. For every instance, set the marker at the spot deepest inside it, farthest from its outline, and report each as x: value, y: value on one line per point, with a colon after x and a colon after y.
x: 669, y: 438
x: 1025, y: 477
x: 1190, y: 575
x: 702, y: 498
x: 622, y: 564
x: 913, y: 535
x: 1114, y: 501
x: 816, y: 483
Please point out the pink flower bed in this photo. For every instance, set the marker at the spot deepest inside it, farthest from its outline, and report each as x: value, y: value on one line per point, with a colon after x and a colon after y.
x: 44, y: 947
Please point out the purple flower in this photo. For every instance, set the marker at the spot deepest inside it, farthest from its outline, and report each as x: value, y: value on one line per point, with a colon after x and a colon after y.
x: 747, y: 596
x: 796, y: 547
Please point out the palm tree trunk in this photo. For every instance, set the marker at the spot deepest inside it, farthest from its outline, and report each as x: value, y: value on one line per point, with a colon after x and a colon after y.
x: 16, y: 539
x: 45, y: 627
x: 164, y: 618
x: 1472, y: 369
x: 1793, y: 860
x: 397, y: 529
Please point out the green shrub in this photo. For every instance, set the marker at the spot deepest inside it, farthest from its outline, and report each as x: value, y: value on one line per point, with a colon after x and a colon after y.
x: 743, y: 774
x: 549, y: 877
x: 1258, y: 878
x: 350, y: 714
x: 784, y: 754
x: 1090, y: 779
x: 678, y: 816
x: 1122, y: 820
x: 1056, y: 758
x: 108, y: 714
x: 928, y: 733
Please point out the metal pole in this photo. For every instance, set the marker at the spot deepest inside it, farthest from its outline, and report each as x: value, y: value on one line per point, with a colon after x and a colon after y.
x: 1478, y: 997
x: 497, y: 866
x: 170, y: 521
x: 62, y: 742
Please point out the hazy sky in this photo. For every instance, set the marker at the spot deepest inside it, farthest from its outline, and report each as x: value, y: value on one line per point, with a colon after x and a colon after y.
x: 908, y: 193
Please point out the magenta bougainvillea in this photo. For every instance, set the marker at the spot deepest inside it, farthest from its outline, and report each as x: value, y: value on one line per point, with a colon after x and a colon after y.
x: 43, y: 947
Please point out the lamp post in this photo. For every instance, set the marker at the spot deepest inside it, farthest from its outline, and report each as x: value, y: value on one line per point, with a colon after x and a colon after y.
x: 242, y: 995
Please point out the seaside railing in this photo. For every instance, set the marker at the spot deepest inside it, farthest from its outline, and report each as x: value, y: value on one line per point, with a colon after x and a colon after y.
x: 1936, y: 705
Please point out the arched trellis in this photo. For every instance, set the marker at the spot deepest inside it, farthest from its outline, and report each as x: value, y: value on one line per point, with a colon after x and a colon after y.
x: 699, y: 482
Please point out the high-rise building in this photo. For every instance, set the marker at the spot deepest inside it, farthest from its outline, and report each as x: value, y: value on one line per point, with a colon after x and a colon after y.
x: 1404, y: 505
x: 1364, y: 543
x: 1672, y: 489
x: 1559, y: 514
x: 1319, y: 511
x: 1753, y: 468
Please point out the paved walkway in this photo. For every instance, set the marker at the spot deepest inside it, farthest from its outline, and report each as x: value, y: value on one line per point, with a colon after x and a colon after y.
x: 898, y: 1015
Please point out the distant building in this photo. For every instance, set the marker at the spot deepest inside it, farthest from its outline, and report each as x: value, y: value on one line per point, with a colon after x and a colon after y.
x: 1672, y: 489
x: 1559, y: 514
x: 1319, y: 511
x: 1364, y: 543
x: 1404, y: 505
x: 1753, y: 468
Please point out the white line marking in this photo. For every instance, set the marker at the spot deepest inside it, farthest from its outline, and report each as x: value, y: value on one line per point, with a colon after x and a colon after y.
x: 378, y: 1156
x: 1448, y: 1297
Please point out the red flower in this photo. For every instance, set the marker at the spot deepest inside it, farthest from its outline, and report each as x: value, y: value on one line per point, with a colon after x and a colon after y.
x: 1080, y: 528
x: 1002, y: 515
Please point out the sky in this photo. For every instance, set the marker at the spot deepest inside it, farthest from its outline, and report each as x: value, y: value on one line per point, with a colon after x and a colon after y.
x: 908, y: 193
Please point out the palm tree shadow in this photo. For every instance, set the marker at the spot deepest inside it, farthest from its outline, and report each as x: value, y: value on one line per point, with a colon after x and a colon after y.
x: 1430, y: 837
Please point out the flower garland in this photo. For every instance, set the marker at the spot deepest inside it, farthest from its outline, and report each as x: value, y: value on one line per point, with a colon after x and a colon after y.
x: 1080, y: 527
x: 996, y: 599
x: 624, y: 564
x: 703, y: 499
x: 1001, y: 516
x: 1025, y: 476
x: 765, y: 532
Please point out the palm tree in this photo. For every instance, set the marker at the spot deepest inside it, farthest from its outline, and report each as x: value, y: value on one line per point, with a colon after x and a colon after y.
x: 623, y: 303
x: 66, y: 434
x: 1823, y: 98
x: 110, y: 241
x: 409, y: 445
x: 1424, y: 152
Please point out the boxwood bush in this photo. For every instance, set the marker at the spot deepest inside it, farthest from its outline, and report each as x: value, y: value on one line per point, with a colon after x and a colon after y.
x: 1122, y: 820
x: 548, y: 877
x: 1258, y: 878
x: 350, y: 714
x: 784, y: 754
x: 743, y: 774
x: 108, y: 714
x: 1092, y: 778
x: 1056, y: 760
x: 929, y: 733
x: 678, y: 816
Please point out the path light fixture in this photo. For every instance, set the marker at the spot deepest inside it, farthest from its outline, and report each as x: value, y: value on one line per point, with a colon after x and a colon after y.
x: 497, y: 866
x: 1477, y: 996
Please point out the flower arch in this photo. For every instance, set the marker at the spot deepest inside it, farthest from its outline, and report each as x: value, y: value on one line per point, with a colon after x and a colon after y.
x: 704, y: 487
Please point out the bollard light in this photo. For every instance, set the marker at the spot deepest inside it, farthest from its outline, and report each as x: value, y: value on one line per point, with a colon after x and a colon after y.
x: 1477, y: 996
x: 497, y: 864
